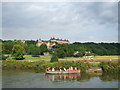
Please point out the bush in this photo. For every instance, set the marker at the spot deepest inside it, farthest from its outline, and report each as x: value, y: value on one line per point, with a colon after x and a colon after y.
x: 110, y: 66
x: 4, y: 57
x: 54, y: 58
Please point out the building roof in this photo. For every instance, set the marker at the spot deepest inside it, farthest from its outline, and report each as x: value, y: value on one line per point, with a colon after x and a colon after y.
x: 58, y: 39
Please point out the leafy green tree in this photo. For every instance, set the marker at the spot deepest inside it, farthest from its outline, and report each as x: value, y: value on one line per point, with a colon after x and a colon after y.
x: 96, y: 48
x: 18, y: 52
x: 80, y: 54
x: 43, y: 48
x: 50, y: 51
x: 35, y: 52
x: 7, y: 46
x: 64, y: 50
x: 31, y: 42
x: 30, y: 49
x: 2, y: 52
x: 60, y: 53
x: 54, y: 58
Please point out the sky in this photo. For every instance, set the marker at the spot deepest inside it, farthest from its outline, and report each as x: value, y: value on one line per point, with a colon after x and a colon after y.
x: 75, y: 21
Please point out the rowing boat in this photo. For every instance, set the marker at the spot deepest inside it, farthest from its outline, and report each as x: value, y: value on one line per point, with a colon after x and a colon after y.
x: 63, y: 72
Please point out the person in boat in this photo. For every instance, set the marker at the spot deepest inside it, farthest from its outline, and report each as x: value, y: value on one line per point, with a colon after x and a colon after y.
x: 53, y: 69
x: 60, y: 68
x: 48, y: 69
x: 64, y: 69
x: 71, y: 68
x: 75, y: 68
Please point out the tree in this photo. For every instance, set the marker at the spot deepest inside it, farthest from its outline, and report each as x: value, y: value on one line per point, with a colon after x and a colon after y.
x: 35, y: 52
x: 60, y: 53
x: 7, y: 46
x: 30, y: 49
x: 31, y: 42
x: 54, y: 58
x: 69, y: 52
x: 18, y: 52
x: 80, y: 54
x: 43, y: 48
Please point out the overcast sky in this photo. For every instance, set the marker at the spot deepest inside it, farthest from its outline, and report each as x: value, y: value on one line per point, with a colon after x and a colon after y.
x: 76, y: 21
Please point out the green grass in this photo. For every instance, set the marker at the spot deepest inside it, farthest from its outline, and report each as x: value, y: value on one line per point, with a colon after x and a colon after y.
x: 106, y: 57
x: 29, y: 57
x: 94, y: 58
x: 42, y: 57
x: 95, y: 63
x: 72, y: 58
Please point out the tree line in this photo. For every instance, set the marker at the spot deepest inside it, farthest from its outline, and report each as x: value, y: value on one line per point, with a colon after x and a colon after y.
x: 18, y: 49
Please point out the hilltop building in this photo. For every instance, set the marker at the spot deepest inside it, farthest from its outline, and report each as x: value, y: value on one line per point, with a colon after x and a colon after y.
x: 60, y: 41
x: 50, y: 43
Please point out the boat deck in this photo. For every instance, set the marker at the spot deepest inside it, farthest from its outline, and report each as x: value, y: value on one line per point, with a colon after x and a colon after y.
x: 63, y: 72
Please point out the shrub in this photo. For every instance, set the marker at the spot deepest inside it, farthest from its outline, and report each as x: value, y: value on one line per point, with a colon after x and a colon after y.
x: 4, y: 57
x: 54, y: 58
x: 110, y: 66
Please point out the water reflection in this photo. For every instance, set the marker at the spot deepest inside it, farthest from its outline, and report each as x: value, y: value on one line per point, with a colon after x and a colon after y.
x: 84, y: 77
x: 110, y: 77
x: 63, y: 77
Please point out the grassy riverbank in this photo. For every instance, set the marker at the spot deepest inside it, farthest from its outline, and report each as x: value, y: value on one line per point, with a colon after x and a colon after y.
x: 40, y: 66
x: 110, y: 66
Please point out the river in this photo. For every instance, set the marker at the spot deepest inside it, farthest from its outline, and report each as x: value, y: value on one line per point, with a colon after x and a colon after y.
x: 30, y: 79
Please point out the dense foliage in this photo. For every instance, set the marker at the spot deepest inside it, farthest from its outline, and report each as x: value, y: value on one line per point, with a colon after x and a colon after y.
x: 54, y: 58
x: 35, y: 52
x: 110, y: 66
x: 18, y: 52
x: 98, y: 48
x: 3, y: 57
x: 43, y: 48
x: 63, y: 50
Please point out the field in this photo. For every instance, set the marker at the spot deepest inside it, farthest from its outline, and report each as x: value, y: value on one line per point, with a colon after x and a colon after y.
x: 47, y: 58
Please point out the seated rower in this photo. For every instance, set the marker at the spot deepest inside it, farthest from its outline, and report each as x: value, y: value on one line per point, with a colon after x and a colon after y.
x: 71, y: 68
x: 64, y: 69
x: 48, y: 69
x: 75, y: 68
x: 53, y: 69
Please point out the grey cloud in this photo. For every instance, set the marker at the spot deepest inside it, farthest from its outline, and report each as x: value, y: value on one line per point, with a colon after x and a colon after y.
x: 28, y: 15
x: 67, y: 20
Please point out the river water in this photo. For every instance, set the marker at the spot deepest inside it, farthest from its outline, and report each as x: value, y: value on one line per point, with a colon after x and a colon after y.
x: 30, y: 79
